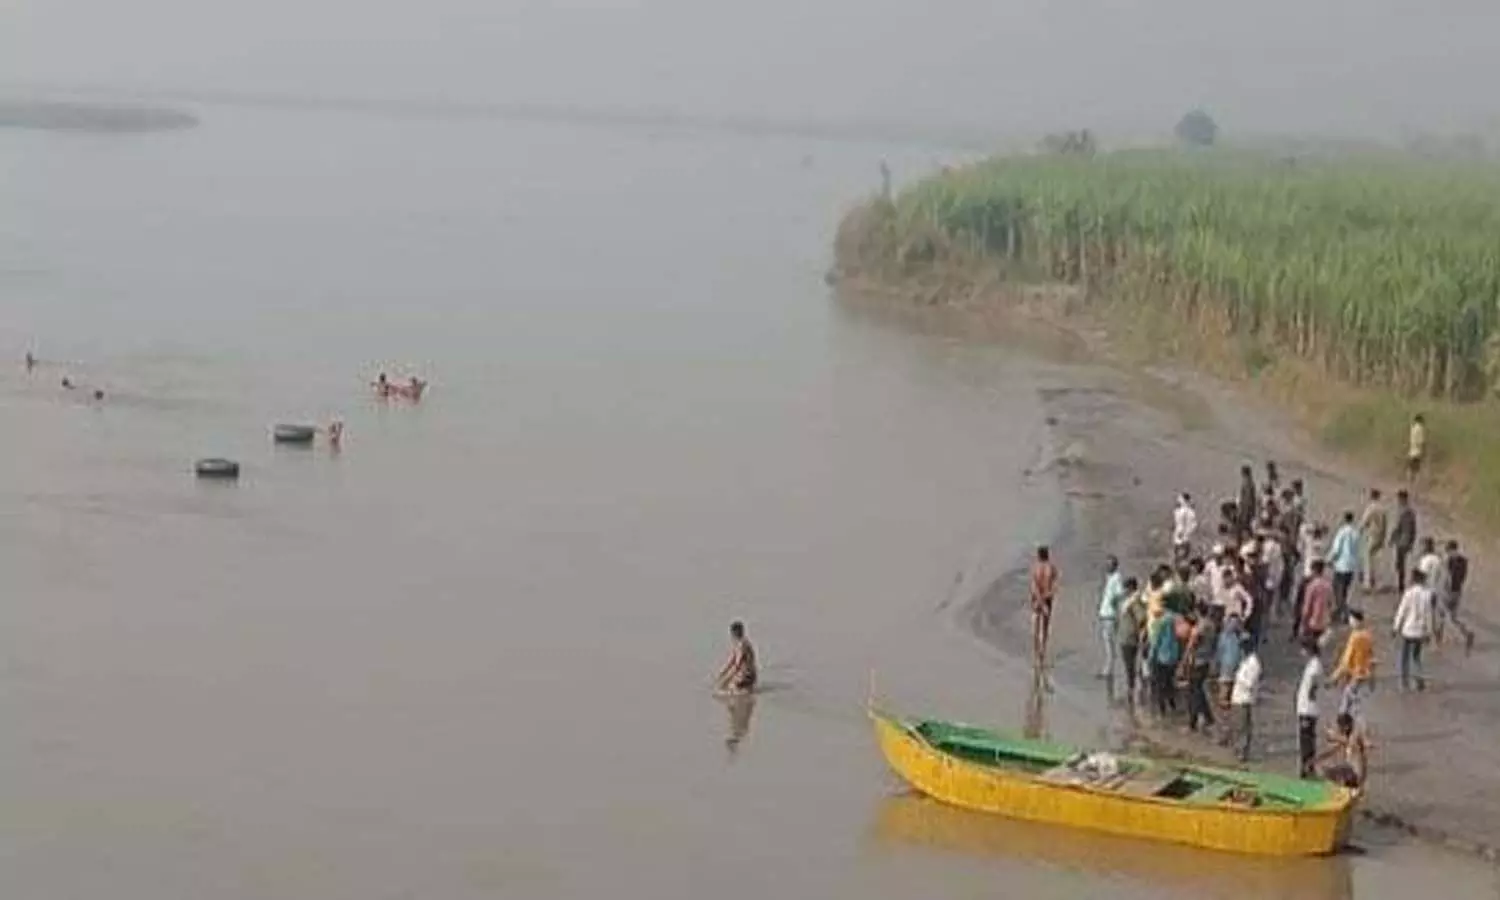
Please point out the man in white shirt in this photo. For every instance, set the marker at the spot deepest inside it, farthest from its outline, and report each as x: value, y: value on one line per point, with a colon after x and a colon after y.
x: 1237, y: 601
x: 1112, y: 596
x: 1435, y: 576
x: 1307, y: 708
x: 1413, y: 625
x: 1275, y: 562
x: 1242, y: 699
x: 1184, y: 527
x: 1216, y: 567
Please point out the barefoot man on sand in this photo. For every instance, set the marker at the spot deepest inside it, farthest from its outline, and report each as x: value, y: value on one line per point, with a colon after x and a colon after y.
x: 1043, y: 591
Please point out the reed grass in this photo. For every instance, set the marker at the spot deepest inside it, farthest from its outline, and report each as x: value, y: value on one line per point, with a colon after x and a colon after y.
x: 1383, y: 274
x: 1370, y: 288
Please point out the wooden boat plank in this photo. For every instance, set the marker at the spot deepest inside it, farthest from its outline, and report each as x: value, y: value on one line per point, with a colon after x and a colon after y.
x: 1149, y: 783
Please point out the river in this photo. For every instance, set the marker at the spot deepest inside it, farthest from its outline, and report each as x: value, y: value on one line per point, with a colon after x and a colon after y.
x: 469, y: 655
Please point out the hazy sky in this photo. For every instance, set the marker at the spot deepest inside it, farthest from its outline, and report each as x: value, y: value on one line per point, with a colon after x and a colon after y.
x: 1118, y: 65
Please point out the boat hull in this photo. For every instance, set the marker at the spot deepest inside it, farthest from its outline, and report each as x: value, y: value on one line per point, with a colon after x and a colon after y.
x: 1269, y: 832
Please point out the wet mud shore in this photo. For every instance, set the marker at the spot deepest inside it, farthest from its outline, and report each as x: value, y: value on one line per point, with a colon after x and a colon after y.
x: 1123, y: 443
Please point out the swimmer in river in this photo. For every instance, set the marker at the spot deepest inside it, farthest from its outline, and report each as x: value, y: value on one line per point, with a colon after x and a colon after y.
x: 336, y: 435
x: 30, y: 361
x: 739, y: 673
x: 67, y: 383
x: 382, y: 386
x: 98, y: 395
x: 412, y: 390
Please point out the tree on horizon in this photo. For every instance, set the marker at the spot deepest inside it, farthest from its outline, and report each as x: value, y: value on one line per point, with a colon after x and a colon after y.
x: 1197, y: 128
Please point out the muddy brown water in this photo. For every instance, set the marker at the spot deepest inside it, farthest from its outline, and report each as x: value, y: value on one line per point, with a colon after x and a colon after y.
x: 468, y: 657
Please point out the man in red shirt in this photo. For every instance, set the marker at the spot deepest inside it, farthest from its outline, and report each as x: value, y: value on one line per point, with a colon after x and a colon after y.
x: 1318, y: 603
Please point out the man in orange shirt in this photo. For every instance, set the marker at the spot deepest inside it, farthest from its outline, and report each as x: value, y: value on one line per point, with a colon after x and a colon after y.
x: 1356, y: 669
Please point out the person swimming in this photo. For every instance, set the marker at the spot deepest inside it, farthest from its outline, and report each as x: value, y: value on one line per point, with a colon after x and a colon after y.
x: 382, y: 386
x: 412, y: 390
x: 739, y: 673
x: 67, y: 383
x: 336, y: 435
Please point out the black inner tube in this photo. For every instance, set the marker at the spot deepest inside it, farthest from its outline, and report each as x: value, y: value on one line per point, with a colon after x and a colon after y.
x: 217, y: 468
x: 294, y: 434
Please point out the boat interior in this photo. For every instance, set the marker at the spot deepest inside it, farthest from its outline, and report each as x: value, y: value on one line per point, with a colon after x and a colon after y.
x: 1066, y: 766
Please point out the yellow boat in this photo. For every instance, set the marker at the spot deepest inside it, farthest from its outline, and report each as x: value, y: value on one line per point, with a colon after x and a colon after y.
x: 1039, y: 781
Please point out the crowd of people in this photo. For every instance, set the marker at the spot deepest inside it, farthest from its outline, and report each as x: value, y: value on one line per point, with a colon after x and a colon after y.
x: 1187, y: 641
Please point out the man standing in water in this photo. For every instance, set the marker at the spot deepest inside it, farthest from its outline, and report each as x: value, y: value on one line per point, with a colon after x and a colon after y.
x: 739, y: 673
x: 1043, y: 592
x: 1307, y: 707
x: 1403, y: 536
x: 1373, y: 531
x: 1110, y: 599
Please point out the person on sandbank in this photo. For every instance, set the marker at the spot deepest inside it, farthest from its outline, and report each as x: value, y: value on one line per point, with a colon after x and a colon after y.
x: 738, y: 676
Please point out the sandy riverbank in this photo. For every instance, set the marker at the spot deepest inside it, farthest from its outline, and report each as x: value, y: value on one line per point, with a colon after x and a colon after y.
x: 1124, y: 442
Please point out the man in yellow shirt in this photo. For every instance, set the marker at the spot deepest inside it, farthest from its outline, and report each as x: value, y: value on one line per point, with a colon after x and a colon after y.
x: 1416, y: 449
x: 1356, y: 669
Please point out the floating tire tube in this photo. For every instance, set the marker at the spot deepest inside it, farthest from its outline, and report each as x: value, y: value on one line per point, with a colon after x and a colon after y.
x: 217, y: 468
x: 294, y: 434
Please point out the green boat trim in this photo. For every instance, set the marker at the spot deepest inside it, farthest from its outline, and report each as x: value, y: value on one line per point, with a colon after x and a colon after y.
x: 1185, y: 783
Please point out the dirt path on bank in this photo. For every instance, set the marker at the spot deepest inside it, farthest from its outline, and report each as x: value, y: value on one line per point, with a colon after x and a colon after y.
x: 1124, y: 444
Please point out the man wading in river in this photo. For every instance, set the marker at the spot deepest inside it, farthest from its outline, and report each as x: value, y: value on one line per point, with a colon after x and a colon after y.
x: 739, y: 673
x: 1043, y: 592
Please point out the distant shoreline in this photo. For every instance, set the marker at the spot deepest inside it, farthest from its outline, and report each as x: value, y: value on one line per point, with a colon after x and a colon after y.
x: 97, y: 118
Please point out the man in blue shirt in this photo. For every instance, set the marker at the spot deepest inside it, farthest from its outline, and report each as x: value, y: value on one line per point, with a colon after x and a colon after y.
x: 1166, y: 651
x: 1344, y: 554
